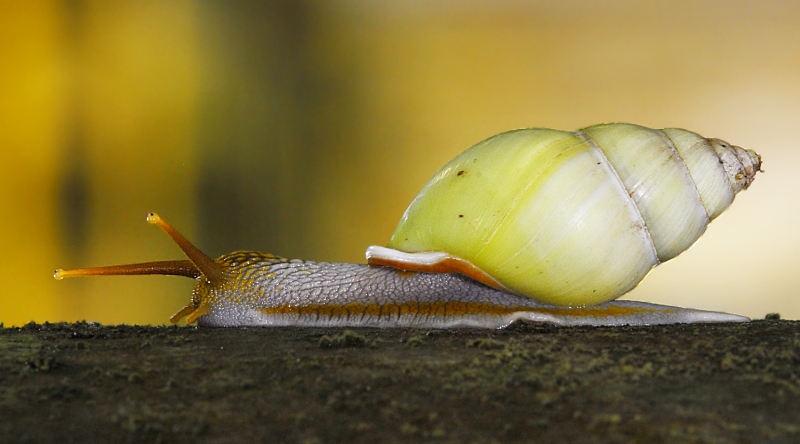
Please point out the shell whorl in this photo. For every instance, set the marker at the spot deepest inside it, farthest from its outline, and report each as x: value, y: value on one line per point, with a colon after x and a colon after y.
x: 574, y: 218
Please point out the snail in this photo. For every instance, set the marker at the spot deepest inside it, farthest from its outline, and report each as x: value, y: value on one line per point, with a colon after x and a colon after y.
x: 533, y: 224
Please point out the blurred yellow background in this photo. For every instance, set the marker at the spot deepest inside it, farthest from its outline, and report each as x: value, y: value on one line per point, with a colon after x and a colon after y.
x: 305, y: 129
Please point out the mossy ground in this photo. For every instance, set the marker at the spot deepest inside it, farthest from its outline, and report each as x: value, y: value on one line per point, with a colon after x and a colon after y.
x: 686, y: 383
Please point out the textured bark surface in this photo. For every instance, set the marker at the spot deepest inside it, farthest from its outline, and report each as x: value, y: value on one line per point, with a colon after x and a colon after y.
x: 686, y: 383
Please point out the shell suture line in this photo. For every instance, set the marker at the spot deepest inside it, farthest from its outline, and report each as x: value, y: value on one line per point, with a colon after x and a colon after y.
x: 632, y: 202
x: 685, y: 170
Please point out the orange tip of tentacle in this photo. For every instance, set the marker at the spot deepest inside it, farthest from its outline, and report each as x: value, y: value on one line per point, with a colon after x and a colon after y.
x: 430, y: 262
x: 61, y: 273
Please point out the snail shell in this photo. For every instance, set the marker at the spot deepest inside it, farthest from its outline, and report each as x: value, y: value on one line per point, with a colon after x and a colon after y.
x: 569, y: 218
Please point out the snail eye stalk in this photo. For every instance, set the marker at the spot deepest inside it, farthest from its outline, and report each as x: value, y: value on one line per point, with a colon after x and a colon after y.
x: 198, y: 264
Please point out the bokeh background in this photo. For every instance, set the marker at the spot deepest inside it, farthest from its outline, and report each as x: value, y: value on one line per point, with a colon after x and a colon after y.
x: 305, y: 129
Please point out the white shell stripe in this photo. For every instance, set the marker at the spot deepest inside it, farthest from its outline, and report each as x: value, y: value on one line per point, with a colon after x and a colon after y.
x: 635, y: 213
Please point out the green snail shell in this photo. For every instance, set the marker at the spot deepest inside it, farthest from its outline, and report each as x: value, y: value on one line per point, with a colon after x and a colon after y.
x: 575, y: 218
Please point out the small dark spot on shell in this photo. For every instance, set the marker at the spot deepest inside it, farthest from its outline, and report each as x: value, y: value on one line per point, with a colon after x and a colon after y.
x: 460, y: 215
x: 598, y: 163
x: 460, y: 173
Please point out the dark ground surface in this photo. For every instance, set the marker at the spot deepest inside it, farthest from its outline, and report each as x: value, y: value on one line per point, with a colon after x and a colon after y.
x: 529, y: 383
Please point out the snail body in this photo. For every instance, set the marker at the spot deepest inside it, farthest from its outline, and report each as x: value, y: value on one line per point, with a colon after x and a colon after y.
x: 265, y: 290
x: 533, y: 224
